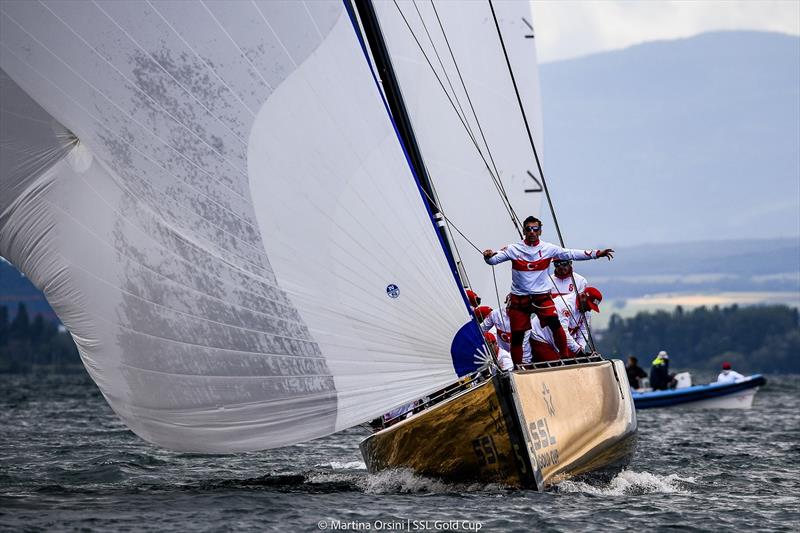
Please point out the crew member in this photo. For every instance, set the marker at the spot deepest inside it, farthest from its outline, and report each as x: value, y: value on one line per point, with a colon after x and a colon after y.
x: 498, y: 319
x: 530, y: 288
x: 481, y: 312
x: 573, y: 311
x: 502, y: 356
x: 543, y: 343
x: 474, y: 299
x: 728, y: 375
x: 562, y: 280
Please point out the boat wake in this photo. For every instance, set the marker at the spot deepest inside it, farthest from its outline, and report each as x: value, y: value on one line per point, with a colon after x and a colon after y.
x: 351, y: 476
x: 631, y: 483
x: 405, y: 481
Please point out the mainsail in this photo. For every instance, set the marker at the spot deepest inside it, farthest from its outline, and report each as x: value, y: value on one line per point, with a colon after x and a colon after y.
x: 214, y: 200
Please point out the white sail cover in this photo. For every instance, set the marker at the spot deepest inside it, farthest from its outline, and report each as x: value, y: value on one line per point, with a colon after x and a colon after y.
x: 457, y: 87
x: 214, y: 200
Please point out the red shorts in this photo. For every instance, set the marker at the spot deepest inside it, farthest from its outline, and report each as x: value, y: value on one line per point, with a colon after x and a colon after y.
x: 520, y: 309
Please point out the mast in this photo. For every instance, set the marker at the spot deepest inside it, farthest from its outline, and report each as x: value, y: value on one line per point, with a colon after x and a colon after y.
x: 405, y: 131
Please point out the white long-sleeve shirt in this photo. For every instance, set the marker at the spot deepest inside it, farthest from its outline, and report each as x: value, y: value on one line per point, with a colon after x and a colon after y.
x: 729, y: 376
x: 530, y: 264
x: 565, y: 287
x: 575, y: 322
x: 498, y: 319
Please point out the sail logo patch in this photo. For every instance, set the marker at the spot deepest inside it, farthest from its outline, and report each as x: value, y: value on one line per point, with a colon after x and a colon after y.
x: 392, y: 290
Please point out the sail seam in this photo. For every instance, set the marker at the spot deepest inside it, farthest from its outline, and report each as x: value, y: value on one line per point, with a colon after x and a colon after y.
x: 199, y: 57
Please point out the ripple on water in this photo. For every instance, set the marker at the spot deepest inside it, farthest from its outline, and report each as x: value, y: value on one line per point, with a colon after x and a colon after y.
x: 66, y: 462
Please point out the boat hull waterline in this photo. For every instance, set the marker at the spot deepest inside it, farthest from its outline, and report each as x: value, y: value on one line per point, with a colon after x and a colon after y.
x: 528, y: 428
x: 738, y: 395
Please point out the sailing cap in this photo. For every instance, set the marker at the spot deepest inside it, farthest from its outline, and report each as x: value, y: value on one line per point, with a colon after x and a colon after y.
x: 489, y: 336
x: 593, y: 298
x: 474, y: 299
x: 726, y: 366
x: 663, y: 355
x: 482, y: 312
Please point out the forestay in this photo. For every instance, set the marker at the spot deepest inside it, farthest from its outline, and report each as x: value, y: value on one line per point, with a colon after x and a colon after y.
x: 214, y: 200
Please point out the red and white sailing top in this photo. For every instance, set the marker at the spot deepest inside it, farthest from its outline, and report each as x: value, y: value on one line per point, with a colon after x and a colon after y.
x: 498, y: 319
x: 544, y: 334
x: 565, y: 286
x: 530, y: 264
x: 504, y: 360
x: 575, y: 322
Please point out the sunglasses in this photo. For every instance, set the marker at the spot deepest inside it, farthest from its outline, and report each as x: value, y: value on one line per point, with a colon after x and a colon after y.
x: 533, y: 228
x: 562, y: 264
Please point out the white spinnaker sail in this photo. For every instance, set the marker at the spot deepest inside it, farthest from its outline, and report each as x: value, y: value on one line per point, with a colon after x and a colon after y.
x: 461, y: 42
x: 214, y: 201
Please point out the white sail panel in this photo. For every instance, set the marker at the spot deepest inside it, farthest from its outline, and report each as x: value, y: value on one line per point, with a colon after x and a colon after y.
x: 457, y: 87
x: 214, y: 201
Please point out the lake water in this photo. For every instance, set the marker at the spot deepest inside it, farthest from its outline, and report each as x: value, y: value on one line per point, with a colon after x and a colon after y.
x: 67, y: 462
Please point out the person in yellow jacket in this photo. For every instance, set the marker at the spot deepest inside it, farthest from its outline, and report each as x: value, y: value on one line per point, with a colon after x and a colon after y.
x: 660, y: 378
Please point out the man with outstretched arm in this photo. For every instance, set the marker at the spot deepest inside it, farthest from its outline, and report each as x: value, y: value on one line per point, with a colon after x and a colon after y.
x: 530, y: 284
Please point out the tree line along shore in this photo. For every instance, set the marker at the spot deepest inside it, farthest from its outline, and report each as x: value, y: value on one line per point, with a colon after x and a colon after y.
x: 763, y: 339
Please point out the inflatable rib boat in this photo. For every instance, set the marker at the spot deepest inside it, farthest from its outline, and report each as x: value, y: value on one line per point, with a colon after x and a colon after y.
x: 738, y: 395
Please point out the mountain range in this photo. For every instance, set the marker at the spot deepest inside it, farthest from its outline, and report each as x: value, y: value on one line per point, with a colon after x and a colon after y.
x: 693, y: 139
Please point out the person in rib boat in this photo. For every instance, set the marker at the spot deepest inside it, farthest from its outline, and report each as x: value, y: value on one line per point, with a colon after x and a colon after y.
x: 530, y: 285
x: 728, y: 374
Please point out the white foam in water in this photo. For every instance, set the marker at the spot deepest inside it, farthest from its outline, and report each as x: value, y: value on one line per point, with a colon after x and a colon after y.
x: 629, y: 482
x: 332, y: 477
x: 350, y: 465
x: 406, y: 481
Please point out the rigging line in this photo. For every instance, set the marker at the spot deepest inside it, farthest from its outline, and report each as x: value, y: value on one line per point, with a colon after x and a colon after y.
x: 450, y: 222
x: 460, y: 263
x: 515, y: 217
x: 444, y: 70
x: 497, y: 295
x: 527, y: 125
x: 474, y: 142
x: 533, y: 145
x: 467, y: 125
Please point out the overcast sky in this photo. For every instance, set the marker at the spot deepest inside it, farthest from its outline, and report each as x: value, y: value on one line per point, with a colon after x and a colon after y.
x: 573, y: 28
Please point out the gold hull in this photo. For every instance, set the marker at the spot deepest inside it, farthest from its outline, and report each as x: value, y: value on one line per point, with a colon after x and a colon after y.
x: 530, y: 428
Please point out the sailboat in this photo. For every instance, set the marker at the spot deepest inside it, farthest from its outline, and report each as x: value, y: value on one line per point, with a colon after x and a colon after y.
x: 224, y: 205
